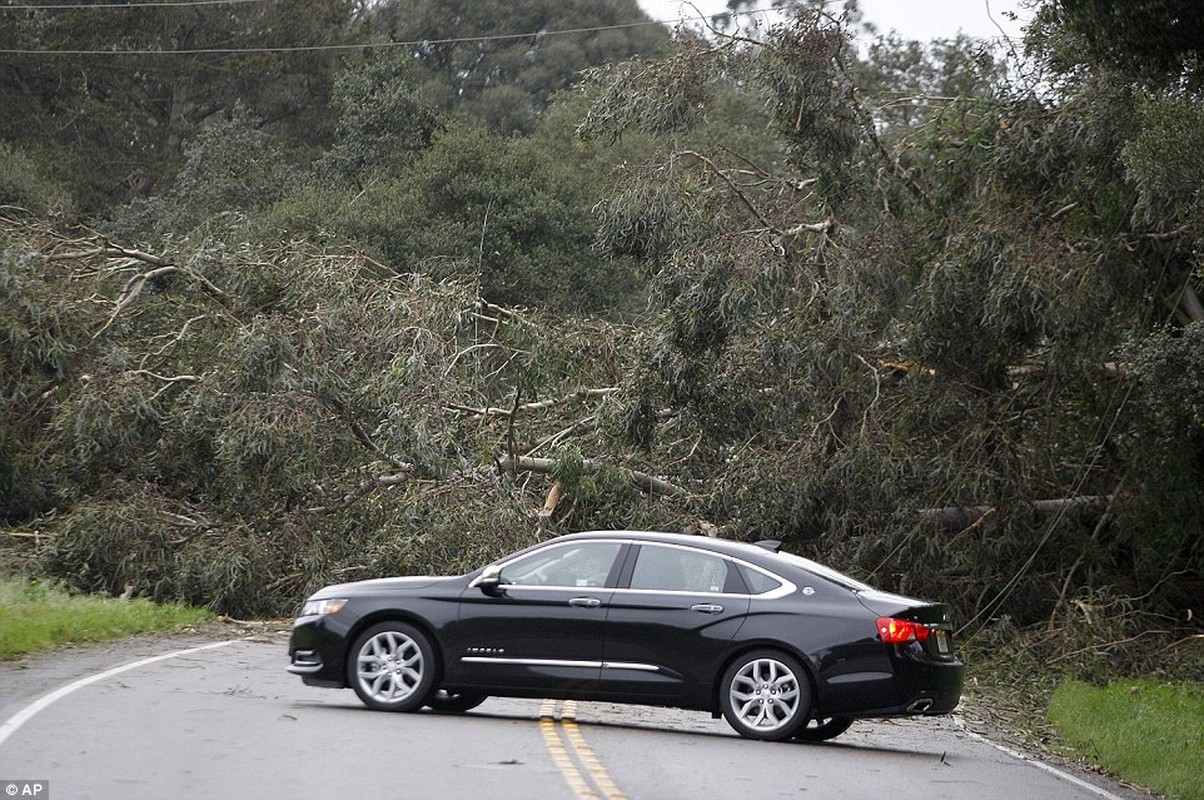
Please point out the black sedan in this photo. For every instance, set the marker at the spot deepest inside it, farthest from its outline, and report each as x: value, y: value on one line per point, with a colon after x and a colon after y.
x: 782, y: 647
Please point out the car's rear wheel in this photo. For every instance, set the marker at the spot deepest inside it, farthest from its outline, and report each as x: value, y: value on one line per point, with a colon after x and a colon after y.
x: 444, y: 700
x: 392, y: 667
x: 765, y: 695
x: 823, y: 728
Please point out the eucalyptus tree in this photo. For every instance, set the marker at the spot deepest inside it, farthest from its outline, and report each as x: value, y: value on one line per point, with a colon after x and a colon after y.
x: 500, y: 61
x: 382, y: 124
x: 25, y: 185
x: 1149, y: 41
x: 1132, y: 73
x: 232, y: 170
x: 234, y: 424
x: 425, y: 192
x: 905, y: 345
x: 104, y: 95
x: 904, y: 84
x: 477, y: 206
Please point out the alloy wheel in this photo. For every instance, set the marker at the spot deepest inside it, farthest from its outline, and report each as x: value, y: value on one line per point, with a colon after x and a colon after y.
x: 766, y: 696
x: 392, y: 667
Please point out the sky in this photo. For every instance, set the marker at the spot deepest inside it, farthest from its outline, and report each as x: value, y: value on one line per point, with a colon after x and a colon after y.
x: 913, y: 19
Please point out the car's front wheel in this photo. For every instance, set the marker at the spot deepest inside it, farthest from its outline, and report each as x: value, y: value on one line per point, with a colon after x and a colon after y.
x: 392, y: 667
x: 823, y: 729
x: 444, y: 700
x: 765, y: 694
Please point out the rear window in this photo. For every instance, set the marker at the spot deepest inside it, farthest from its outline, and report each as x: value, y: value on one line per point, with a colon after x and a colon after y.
x: 827, y: 573
x: 758, y: 582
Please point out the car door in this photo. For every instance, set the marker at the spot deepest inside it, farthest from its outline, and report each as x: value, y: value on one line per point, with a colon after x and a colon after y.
x: 671, y: 621
x: 541, y: 629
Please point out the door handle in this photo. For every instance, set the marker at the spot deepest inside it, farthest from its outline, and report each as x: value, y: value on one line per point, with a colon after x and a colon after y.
x: 706, y: 608
x: 585, y: 602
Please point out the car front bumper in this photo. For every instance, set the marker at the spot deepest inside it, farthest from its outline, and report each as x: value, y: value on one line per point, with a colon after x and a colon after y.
x: 316, y: 652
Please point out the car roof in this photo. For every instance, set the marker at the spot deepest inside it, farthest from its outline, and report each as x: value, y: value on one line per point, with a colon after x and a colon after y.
x: 726, y: 546
x: 781, y: 563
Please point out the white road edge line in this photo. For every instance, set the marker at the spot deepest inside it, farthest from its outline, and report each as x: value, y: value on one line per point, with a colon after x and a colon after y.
x: 1016, y: 754
x: 13, y: 723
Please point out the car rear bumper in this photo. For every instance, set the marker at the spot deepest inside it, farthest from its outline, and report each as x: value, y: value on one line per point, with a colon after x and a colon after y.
x: 935, y: 689
x: 901, y: 682
x: 924, y: 686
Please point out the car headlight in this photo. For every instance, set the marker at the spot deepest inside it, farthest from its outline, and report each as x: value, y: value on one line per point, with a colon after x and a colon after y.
x: 327, y: 605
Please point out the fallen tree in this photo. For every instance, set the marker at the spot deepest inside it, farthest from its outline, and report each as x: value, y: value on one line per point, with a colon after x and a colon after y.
x: 959, y: 517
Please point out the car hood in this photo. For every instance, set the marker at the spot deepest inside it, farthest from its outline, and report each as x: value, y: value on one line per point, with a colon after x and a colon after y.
x: 386, y: 585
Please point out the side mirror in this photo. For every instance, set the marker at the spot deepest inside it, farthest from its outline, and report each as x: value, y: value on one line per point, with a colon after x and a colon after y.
x: 490, y: 580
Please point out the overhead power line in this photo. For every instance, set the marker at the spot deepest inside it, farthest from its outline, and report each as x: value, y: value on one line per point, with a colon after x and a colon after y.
x: 308, y: 48
x: 121, y: 6
x: 316, y: 47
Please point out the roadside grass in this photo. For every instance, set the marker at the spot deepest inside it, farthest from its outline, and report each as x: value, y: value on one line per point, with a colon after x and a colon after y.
x: 1146, y: 731
x: 35, y: 616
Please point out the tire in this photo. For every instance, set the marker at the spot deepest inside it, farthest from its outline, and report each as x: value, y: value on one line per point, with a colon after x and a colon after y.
x: 392, y: 667
x: 766, y: 695
x: 444, y: 700
x: 823, y: 728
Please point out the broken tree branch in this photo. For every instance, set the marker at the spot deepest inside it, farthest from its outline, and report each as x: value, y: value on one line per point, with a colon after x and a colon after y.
x: 361, y: 435
x: 959, y: 517
x: 382, y: 482
x: 494, y: 411
x: 644, y: 481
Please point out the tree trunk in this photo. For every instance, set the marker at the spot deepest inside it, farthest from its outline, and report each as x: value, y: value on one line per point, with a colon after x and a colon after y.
x: 958, y: 517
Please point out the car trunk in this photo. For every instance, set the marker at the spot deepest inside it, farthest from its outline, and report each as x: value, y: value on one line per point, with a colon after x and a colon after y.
x: 937, y: 617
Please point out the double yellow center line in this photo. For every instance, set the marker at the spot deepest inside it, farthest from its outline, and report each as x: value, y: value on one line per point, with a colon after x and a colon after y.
x: 572, y: 755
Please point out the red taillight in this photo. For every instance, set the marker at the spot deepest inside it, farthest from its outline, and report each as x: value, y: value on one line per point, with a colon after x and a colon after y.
x: 900, y: 631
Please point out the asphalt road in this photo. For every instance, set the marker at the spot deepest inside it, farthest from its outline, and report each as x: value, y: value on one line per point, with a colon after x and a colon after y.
x: 163, y: 719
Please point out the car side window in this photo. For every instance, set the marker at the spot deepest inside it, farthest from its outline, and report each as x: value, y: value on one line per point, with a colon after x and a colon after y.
x: 760, y: 583
x: 677, y: 570
x: 576, y: 564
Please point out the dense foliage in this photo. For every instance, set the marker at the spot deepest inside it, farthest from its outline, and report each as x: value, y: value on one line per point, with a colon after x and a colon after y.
x: 104, y: 96
x: 929, y: 313
x: 500, y: 62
